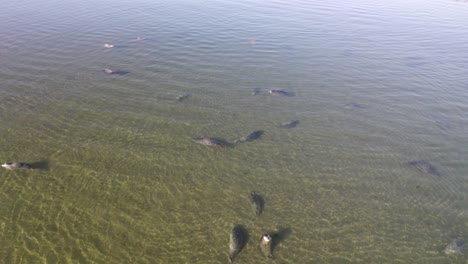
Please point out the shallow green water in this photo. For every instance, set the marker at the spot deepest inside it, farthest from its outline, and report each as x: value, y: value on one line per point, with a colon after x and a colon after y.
x: 119, y: 179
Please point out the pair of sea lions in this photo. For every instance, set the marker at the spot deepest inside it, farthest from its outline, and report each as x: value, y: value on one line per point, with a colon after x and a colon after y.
x: 214, y: 142
x: 238, y: 239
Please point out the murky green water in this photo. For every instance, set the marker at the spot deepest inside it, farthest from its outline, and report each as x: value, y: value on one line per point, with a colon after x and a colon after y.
x: 119, y: 180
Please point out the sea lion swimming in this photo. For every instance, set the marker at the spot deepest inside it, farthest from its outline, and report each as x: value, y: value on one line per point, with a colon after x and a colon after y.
x: 251, y: 137
x: 266, y: 245
x: 457, y: 246
x: 237, y: 241
x: 207, y: 141
x: 290, y: 124
x: 117, y: 72
x: 16, y: 165
x: 425, y: 166
x: 257, y: 202
x: 182, y: 97
x: 280, y: 92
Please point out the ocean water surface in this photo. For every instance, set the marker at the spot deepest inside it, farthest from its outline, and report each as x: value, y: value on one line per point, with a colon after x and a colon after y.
x: 118, y: 179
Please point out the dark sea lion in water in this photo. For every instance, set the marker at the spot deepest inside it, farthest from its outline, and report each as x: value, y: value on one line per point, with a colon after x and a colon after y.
x: 251, y: 137
x: 266, y: 243
x: 425, y: 166
x: 290, y: 124
x: 280, y: 92
x: 182, y: 97
x: 118, y: 72
x: 237, y: 240
x: 207, y: 141
x: 16, y: 165
x: 257, y: 202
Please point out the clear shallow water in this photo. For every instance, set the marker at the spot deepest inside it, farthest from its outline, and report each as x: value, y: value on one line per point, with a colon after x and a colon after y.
x: 376, y: 85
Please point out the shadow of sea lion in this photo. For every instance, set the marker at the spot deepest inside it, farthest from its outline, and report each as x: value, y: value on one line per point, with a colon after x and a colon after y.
x: 279, y: 237
x: 40, y: 165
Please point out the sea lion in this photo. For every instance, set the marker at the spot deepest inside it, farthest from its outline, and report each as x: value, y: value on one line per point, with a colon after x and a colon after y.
x: 207, y: 141
x: 425, y: 166
x: 280, y: 92
x: 251, y: 137
x: 257, y: 202
x: 457, y: 246
x: 237, y: 241
x: 266, y: 245
x: 290, y: 124
x: 16, y: 165
x: 182, y: 97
